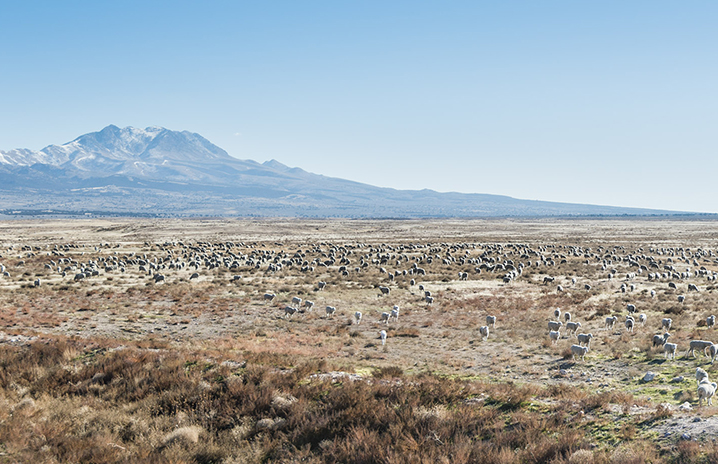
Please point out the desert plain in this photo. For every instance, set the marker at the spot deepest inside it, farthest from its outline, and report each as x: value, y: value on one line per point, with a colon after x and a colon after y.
x: 152, y: 340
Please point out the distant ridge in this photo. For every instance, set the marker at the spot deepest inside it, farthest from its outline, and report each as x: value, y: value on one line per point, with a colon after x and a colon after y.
x: 159, y: 172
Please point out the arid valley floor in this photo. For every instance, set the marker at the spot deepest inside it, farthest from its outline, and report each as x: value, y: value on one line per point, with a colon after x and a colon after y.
x: 101, y: 360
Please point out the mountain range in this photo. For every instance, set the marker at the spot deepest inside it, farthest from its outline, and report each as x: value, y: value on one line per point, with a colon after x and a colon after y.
x: 160, y: 172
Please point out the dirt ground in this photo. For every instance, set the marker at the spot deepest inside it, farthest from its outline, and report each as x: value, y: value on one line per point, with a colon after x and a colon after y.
x: 216, y: 309
x: 659, y: 231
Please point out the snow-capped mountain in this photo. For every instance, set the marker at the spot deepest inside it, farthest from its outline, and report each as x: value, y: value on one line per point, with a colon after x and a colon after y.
x: 121, y: 145
x: 160, y: 171
x: 151, y: 153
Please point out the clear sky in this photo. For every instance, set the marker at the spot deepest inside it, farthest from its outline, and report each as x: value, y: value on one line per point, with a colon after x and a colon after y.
x: 602, y: 102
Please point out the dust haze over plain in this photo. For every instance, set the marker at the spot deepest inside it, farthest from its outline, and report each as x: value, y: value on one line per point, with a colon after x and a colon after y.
x: 609, y: 104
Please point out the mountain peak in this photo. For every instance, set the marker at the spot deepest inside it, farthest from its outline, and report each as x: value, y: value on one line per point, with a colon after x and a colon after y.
x: 115, y: 150
x: 152, y: 143
x: 274, y: 164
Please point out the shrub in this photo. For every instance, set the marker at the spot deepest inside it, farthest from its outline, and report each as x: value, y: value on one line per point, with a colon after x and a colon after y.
x: 407, y: 332
x: 388, y: 372
x: 677, y: 310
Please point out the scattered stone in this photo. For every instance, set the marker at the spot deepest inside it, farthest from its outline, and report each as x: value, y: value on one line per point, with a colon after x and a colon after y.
x: 264, y: 424
x: 685, y: 406
x: 678, y: 379
x: 235, y: 364
x: 697, y: 419
x: 283, y: 402
x: 649, y: 376
x: 100, y: 377
x: 183, y: 435
x: 273, y: 424
x: 336, y: 376
x: 686, y: 436
x: 474, y: 401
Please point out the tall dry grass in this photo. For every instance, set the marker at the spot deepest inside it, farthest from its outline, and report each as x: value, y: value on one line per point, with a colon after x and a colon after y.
x: 70, y: 401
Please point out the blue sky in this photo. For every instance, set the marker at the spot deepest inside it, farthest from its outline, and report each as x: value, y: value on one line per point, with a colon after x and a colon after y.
x: 611, y: 102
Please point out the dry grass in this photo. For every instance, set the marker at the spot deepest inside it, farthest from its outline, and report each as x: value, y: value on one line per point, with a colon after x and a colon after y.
x: 120, y: 368
x: 169, y: 406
